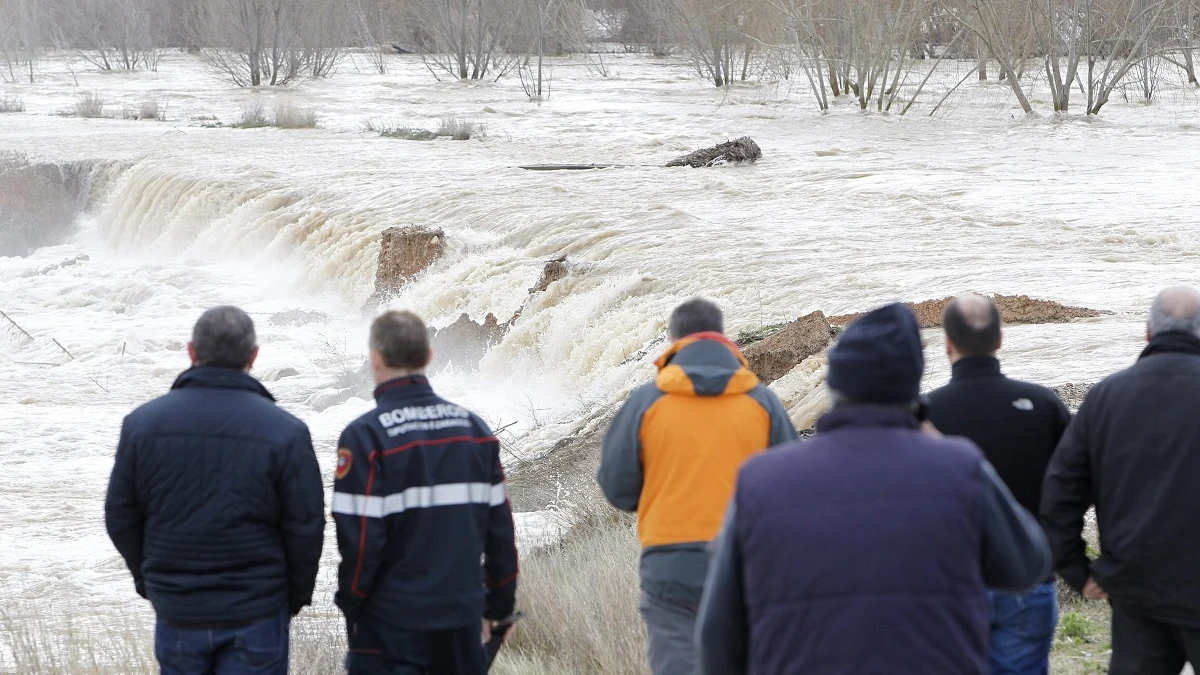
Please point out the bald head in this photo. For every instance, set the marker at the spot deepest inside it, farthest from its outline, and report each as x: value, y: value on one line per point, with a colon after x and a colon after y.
x: 972, y: 325
x: 1175, y: 309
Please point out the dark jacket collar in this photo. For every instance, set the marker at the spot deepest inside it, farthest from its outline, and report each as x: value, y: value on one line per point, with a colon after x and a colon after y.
x: 404, y: 387
x: 865, y: 415
x: 1172, y: 341
x: 215, y: 377
x: 975, y: 366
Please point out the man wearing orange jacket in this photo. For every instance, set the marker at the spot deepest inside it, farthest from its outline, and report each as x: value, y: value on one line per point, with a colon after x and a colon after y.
x: 672, y: 455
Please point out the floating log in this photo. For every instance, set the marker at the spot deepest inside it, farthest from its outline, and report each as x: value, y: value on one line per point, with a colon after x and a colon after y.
x: 571, y: 167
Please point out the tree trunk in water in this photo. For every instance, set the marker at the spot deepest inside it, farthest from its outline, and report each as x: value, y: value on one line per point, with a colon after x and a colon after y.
x: 1189, y: 66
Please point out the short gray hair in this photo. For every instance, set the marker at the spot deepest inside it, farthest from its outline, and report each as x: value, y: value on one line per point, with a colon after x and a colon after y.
x: 401, y: 339
x: 1176, y: 309
x: 224, y: 337
x: 697, y: 315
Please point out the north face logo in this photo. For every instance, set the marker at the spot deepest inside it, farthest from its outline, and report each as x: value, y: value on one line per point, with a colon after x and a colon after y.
x: 1023, y: 404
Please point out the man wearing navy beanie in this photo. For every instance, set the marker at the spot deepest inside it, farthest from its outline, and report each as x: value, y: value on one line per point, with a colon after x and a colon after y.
x: 868, y: 548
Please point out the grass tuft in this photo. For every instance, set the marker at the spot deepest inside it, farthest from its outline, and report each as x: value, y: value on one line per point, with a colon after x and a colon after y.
x: 254, y: 116
x: 148, y: 109
x: 287, y: 116
x: 89, y: 104
x: 12, y: 104
x: 395, y: 131
x: 461, y: 129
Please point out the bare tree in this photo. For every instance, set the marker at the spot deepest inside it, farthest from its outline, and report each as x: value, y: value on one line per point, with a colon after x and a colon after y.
x: 273, y: 42
x: 1003, y: 27
x: 720, y: 35
x: 1186, y: 23
x: 115, y: 34
x: 372, y: 25
x: 24, y: 35
x: 467, y: 35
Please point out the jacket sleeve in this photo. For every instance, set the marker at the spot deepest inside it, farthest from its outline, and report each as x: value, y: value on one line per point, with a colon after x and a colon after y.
x: 1066, y: 497
x: 782, y: 429
x: 500, y: 551
x: 302, y: 501
x: 358, y: 516
x: 620, y: 475
x: 123, y: 516
x: 1015, y: 554
x: 721, y: 627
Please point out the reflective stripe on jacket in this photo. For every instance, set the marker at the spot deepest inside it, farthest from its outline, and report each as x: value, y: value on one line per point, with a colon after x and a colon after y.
x: 419, y: 499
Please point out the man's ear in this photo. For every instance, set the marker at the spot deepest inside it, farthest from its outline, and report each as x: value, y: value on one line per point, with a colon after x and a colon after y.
x: 428, y: 357
x: 253, y: 356
x: 376, y: 361
x: 1148, y: 335
x: 950, y: 348
x: 192, y: 353
x: 1000, y: 342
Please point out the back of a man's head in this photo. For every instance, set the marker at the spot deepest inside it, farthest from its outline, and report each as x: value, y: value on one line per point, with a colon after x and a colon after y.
x: 401, y: 340
x: 878, y: 359
x: 224, y: 337
x: 972, y: 325
x: 1175, y: 309
x: 697, y: 315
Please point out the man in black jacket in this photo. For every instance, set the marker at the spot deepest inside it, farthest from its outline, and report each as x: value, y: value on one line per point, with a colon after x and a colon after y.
x: 1133, y: 451
x: 419, y: 501
x: 1017, y: 425
x: 217, y: 506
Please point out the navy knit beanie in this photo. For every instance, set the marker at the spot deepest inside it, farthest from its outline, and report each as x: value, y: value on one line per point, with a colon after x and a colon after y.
x: 878, y: 358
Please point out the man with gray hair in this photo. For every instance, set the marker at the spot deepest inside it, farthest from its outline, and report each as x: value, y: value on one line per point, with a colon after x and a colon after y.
x: 216, y: 504
x: 1133, y: 452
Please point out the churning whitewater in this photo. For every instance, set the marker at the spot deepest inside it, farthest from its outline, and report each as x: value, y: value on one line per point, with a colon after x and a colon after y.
x: 844, y: 211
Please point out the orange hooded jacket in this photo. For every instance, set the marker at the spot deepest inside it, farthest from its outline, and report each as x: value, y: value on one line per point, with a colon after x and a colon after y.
x: 673, y: 451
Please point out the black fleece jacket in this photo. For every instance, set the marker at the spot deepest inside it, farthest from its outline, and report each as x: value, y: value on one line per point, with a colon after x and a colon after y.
x: 1016, y: 424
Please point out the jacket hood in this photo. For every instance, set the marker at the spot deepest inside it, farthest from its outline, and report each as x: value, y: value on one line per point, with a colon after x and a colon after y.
x: 220, y: 378
x: 704, y: 364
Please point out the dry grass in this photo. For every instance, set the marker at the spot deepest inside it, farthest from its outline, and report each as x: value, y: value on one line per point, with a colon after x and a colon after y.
x: 287, y: 116
x: 461, y: 129
x: 89, y: 104
x: 580, y: 600
x: 148, y: 109
x: 579, y: 597
x: 254, y: 116
x: 12, y: 104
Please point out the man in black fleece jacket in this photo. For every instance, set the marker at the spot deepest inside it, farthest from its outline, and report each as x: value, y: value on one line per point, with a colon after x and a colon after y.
x: 1133, y: 452
x: 1017, y: 425
x: 216, y: 505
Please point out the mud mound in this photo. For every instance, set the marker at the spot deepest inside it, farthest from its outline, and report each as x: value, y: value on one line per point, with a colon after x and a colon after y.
x: 1014, y: 309
x: 553, y: 271
x: 464, y: 342
x: 38, y: 204
x: 743, y: 149
x: 405, y: 252
x: 775, y: 355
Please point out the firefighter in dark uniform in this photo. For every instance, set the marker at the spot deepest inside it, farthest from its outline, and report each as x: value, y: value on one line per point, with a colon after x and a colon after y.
x: 419, y: 501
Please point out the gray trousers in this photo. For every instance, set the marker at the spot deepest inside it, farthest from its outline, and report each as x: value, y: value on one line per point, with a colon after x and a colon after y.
x: 670, y: 635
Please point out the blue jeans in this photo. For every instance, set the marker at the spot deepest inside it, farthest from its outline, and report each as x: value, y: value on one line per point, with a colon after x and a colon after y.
x: 1023, y: 630
x: 260, y: 648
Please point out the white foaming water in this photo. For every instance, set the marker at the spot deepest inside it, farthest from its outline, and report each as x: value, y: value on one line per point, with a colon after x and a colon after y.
x: 844, y: 211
